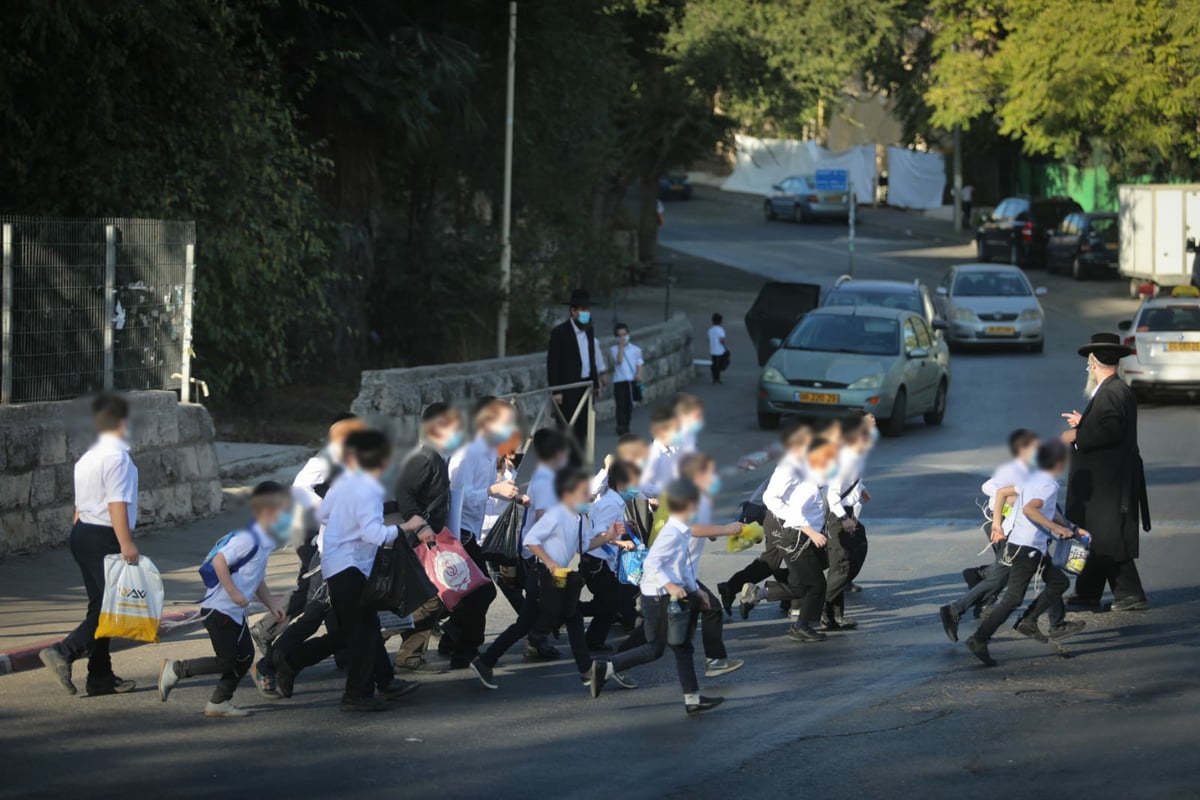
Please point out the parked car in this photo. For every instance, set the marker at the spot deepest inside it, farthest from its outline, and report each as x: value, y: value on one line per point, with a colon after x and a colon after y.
x: 990, y: 304
x: 884, y: 360
x: 674, y: 187
x: 796, y: 198
x: 776, y: 310
x: 914, y: 296
x: 1165, y: 337
x: 1017, y: 230
x: 1086, y: 244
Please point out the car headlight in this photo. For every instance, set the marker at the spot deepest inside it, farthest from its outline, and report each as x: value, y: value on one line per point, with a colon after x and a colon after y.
x: 965, y: 315
x: 869, y: 382
x: 1030, y: 314
x: 772, y: 375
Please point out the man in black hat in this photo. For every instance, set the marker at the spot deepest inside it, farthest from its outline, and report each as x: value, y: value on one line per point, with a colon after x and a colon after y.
x: 1106, y: 489
x: 574, y: 356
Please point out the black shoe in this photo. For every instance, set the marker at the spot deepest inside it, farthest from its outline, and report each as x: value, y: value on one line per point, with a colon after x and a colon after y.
x: 362, y: 704
x: 599, y: 673
x: 541, y: 649
x: 805, y: 633
x: 705, y: 704
x: 831, y: 624
x: 980, y: 650
x: 1065, y: 629
x: 726, y: 595
x: 1130, y: 604
x: 1087, y: 604
x: 58, y: 665
x: 285, y: 676
x: 1029, y: 627
x: 110, y: 685
x: 396, y: 689
x: 484, y: 673
x: 949, y: 622
x: 972, y: 577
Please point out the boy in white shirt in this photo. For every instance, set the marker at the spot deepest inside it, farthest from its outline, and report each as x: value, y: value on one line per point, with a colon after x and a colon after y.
x: 240, y: 565
x: 985, y: 583
x: 552, y: 450
x: 847, y: 536
x: 631, y: 449
x: 717, y: 351
x: 106, y: 504
x: 1037, y: 522
x: 669, y: 589
x: 660, y: 468
x: 689, y: 411
x: 627, y: 372
x: 599, y: 566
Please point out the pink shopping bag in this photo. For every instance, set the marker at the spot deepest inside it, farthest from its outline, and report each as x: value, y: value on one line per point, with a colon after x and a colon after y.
x: 450, y: 568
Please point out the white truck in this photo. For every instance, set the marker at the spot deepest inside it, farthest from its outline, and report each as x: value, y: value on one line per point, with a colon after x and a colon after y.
x: 1160, y: 234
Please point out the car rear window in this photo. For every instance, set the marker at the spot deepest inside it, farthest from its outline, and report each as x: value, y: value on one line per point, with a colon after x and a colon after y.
x: 1170, y: 318
x: 1104, y: 228
x: 837, y: 333
x: 1052, y: 213
x: 874, y: 297
x: 990, y: 284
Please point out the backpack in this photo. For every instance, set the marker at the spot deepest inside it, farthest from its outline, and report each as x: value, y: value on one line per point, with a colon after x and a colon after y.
x: 208, y: 572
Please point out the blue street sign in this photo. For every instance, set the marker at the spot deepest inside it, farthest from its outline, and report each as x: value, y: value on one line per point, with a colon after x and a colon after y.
x: 832, y: 180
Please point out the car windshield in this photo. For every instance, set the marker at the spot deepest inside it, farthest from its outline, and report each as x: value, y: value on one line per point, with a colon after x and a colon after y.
x: 1170, y: 318
x: 838, y: 333
x: 876, y: 297
x: 990, y: 284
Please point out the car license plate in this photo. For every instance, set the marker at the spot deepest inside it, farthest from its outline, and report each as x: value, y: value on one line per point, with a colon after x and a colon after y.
x: 1182, y: 347
x: 1111, y: 245
x: 676, y: 187
x: 816, y: 397
x: 1000, y: 330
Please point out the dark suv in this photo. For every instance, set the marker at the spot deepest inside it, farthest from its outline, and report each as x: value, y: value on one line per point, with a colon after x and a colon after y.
x: 1018, y: 229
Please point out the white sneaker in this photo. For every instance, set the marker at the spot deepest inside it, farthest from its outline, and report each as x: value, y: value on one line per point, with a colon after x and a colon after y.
x: 167, y: 678
x: 623, y: 680
x: 226, y: 709
x: 715, y: 667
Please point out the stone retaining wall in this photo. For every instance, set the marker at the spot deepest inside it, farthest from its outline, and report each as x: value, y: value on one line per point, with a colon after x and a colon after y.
x: 40, y: 442
x: 393, y: 398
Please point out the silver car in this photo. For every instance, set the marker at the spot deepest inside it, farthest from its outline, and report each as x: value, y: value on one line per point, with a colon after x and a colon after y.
x: 796, y: 198
x: 883, y: 360
x: 1165, y: 337
x: 991, y: 304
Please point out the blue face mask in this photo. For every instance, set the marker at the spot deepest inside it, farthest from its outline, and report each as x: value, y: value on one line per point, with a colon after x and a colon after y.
x: 832, y: 472
x: 696, y: 427
x: 502, y: 434
x: 629, y: 494
x: 583, y: 508
x: 453, y: 441
x: 281, y: 528
x: 585, y: 317
x: 1032, y: 460
x: 714, y: 488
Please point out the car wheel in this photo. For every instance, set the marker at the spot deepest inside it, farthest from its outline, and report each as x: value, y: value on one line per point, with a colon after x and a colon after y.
x: 938, y: 413
x: 895, y: 423
x: 769, y: 210
x: 1014, y: 256
x: 768, y: 422
x: 981, y: 254
x: 1078, y: 272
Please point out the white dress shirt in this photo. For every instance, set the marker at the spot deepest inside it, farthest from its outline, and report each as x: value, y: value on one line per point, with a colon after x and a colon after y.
x: 845, y: 489
x: 472, y: 473
x: 626, y: 369
x: 704, y: 515
x: 585, y: 358
x: 1010, y: 473
x: 608, y: 509
x: 315, y: 472
x: 249, y: 575
x: 352, y: 514
x: 599, y: 482
x: 558, y: 533
x: 715, y: 334
x: 669, y: 560
x: 1038, y: 486
x: 794, y: 499
x: 660, y: 469
x: 541, y: 498
x: 106, y: 474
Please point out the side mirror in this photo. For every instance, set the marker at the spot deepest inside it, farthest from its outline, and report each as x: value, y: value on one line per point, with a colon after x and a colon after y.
x: 775, y: 344
x: 1124, y: 324
x: 940, y: 325
x: 1040, y: 291
x: 941, y: 290
x: 918, y: 352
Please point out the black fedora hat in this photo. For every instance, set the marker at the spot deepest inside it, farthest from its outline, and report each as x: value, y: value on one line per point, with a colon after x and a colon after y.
x: 580, y: 299
x: 1106, y: 347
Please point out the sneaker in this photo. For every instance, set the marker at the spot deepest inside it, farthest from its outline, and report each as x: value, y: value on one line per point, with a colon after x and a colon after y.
x: 396, y: 689
x: 833, y: 624
x: 226, y: 710
x: 168, y: 676
x: 805, y: 633
x: 727, y: 596
x: 58, y: 665
x: 1130, y: 604
x: 715, y: 667
x: 748, y: 598
x: 624, y: 681
x: 362, y: 704
x: 705, y: 704
x: 418, y: 666
x: 1065, y: 629
x: 484, y: 673
x: 285, y: 676
x: 599, y: 673
x: 949, y: 622
x: 110, y: 685
x: 265, y: 683
x: 980, y: 650
x: 1029, y: 627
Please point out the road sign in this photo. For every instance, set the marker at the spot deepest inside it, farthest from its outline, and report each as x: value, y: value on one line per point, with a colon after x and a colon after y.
x: 832, y: 180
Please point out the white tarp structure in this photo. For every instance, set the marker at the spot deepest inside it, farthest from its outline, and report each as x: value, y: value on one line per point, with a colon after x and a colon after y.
x: 764, y: 162
x: 915, y: 179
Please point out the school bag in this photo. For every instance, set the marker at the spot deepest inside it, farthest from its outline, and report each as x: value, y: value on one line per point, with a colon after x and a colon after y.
x: 208, y: 572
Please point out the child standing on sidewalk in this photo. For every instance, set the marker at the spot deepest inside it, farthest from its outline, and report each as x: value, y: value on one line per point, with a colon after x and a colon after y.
x: 718, y: 352
x: 240, y: 565
x: 627, y: 373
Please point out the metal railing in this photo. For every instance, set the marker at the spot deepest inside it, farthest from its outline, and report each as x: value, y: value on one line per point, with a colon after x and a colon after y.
x: 94, y: 304
x: 546, y: 410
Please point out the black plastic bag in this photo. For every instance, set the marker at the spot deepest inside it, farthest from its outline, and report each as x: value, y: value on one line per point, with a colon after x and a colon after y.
x: 397, y: 582
x: 503, y: 543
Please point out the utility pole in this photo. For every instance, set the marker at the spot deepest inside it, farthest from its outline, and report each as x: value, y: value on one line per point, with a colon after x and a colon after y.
x: 850, y: 221
x: 958, y: 220
x: 506, y: 208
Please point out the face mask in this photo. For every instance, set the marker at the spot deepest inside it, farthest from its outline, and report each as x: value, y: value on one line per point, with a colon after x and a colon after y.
x: 714, y: 488
x: 1031, y: 462
x: 832, y: 472
x: 453, y: 441
x: 583, y: 508
x: 696, y: 427
x: 281, y: 528
x: 502, y: 434
x: 629, y: 494
x: 624, y: 337
x: 585, y: 317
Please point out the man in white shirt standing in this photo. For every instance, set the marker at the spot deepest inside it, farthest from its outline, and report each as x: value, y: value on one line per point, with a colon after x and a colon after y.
x: 106, y: 495
x: 627, y: 374
x: 718, y: 352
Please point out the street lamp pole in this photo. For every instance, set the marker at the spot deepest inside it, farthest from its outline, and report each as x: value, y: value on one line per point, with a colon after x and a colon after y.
x: 506, y: 208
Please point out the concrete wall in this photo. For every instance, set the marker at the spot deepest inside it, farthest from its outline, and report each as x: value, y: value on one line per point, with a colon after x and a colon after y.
x: 40, y: 442
x: 393, y: 398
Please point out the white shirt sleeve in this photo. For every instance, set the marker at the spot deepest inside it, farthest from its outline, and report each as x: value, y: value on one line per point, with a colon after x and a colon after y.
x: 313, y: 473
x: 369, y: 519
x: 542, y: 530
x: 599, y: 483
x: 775, y: 495
x: 119, y: 479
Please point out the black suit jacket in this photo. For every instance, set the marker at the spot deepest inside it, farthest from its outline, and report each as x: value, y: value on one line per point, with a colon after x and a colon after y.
x: 563, y: 364
x: 424, y: 488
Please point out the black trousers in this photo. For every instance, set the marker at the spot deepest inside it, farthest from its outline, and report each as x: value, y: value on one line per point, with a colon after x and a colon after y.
x: 555, y: 612
x: 89, y: 545
x: 511, y: 587
x: 712, y: 629
x: 717, y: 366
x: 847, y: 553
x: 756, y: 572
x: 606, y: 598
x: 654, y: 613
x: 301, y: 628
x: 1026, y: 562
x: 805, y: 584
x: 623, y: 397
x: 299, y: 596
x: 415, y: 642
x: 468, y: 620
x: 357, y: 631
x: 527, y: 617
x: 1121, y: 576
x: 570, y: 402
x: 995, y: 578
x: 234, y: 652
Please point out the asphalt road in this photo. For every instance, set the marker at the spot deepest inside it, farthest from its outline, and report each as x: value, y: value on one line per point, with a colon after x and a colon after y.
x: 889, y: 710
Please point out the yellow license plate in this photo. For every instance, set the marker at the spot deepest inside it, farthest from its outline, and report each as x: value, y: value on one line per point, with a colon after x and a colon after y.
x: 1111, y: 245
x: 816, y: 397
x: 1183, y: 347
x: 1000, y: 330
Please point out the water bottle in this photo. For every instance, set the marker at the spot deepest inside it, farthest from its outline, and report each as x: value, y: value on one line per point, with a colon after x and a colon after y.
x: 673, y: 608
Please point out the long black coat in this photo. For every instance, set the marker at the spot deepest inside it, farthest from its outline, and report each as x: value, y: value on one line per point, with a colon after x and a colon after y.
x: 563, y: 364
x: 1106, y: 489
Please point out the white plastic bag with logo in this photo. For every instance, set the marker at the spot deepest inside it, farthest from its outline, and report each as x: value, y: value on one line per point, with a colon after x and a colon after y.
x: 133, y: 600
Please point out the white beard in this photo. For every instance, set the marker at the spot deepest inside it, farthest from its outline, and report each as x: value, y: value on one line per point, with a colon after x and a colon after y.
x: 1092, y: 383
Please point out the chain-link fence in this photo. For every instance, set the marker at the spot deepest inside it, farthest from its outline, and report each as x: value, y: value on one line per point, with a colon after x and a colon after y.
x: 94, y: 304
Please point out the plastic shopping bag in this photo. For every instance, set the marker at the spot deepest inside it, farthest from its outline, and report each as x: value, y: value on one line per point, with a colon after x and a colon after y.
x: 750, y: 535
x: 450, y: 569
x: 503, y: 543
x: 132, y: 602
x: 629, y: 563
